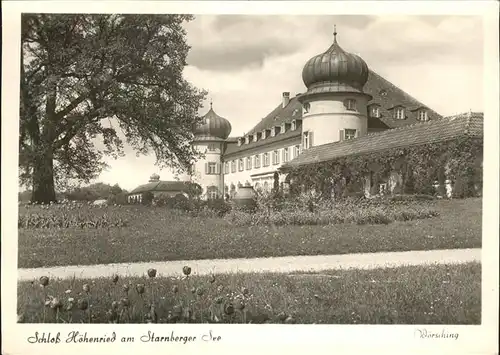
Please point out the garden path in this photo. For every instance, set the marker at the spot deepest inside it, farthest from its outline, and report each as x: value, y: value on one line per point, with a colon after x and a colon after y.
x: 274, y: 264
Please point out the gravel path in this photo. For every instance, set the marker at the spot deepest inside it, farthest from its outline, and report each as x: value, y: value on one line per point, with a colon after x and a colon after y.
x: 278, y: 264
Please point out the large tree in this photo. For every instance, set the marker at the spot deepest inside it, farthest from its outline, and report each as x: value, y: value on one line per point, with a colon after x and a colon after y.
x: 90, y: 77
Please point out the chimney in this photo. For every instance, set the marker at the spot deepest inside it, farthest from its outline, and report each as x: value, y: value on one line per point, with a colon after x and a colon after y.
x: 286, y: 98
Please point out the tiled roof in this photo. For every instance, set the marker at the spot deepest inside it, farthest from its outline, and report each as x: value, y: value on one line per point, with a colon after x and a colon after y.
x: 444, y: 129
x: 158, y: 186
x: 388, y: 96
x: 384, y: 93
x: 234, y: 148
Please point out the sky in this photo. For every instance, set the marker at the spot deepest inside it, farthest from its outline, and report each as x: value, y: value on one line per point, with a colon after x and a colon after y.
x: 246, y: 62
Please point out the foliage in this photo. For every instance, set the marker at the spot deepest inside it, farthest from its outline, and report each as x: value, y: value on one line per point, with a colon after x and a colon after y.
x: 147, y: 198
x: 71, y: 215
x: 451, y: 294
x: 420, y: 166
x: 86, y: 77
x: 160, y: 234
x: 97, y: 191
x: 307, y: 211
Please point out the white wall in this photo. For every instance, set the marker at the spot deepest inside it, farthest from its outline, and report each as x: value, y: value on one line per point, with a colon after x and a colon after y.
x: 199, y: 174
x: 327, y: 116
x: 245, y: 176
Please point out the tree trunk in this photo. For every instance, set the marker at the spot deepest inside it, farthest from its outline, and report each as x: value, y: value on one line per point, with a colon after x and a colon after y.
x: 43, y: 178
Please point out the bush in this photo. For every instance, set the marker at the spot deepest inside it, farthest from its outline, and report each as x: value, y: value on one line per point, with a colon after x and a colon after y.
x: 307, y: 211
x: 147, y: 198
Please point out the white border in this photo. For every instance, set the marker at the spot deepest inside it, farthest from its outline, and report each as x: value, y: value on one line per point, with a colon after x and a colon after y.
x: 249, y: 339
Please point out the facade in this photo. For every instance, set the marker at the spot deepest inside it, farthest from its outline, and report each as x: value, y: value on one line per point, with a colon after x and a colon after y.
x: 344, y: 101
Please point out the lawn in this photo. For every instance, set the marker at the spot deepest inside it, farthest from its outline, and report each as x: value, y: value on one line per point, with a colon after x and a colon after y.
x: 436, y: 294
x: 158, y: 234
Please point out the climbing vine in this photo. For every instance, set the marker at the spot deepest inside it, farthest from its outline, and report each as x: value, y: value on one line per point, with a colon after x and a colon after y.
x: 419, y: 167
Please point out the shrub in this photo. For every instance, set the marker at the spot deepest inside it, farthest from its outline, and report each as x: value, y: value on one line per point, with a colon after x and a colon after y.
x: 147, y: 198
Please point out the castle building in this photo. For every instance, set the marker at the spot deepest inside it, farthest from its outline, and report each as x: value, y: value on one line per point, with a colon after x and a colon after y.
x: 344, y: 101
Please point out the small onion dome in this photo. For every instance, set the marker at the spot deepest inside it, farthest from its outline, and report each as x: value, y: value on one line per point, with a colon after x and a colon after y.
x: 214, y: 127
x: 335, y: 71
x: 154, y: 177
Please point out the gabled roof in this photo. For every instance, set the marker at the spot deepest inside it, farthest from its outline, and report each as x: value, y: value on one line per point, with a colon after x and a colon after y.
x: 468, y: 124
x: 159, y: 186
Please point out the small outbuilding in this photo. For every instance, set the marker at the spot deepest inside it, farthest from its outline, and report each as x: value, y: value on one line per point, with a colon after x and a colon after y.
x: 159, y: 188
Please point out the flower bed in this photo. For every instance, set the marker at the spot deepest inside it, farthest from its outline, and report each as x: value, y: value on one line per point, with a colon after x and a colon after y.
x: 444, y: 294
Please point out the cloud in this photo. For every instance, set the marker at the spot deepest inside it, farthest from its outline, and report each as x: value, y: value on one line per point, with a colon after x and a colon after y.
x: 235, y: 42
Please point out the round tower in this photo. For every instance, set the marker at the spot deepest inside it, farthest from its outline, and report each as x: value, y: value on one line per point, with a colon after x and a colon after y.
x: 209, y: 139
x: 334, y: 106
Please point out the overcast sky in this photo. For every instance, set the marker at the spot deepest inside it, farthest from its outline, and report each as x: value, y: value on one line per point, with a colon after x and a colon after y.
x: 246, y: 62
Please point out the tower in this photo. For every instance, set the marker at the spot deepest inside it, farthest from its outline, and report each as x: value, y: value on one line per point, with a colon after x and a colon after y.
x: 334, y: 106
x: 209, y: 139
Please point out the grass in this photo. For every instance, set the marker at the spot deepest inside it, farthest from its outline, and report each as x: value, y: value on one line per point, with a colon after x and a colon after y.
x: 436, y: 294
x: 156, y: 234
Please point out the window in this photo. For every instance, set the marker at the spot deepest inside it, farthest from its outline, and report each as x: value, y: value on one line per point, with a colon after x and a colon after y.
x: 422, y: 115
x: 273, y: 131
x: 257, y: 161
x: 375, y: 111
x: 240, y: 141
x: 264, y: 134
x: 226, y: 168
x: 296, y: 151
x: 249, y: 163
x: 399, y: 113
x: 305, y: 140
x: 266, y: 159
x: 307, y: 107
x: 247, y: 139
x: 276, y: 157
x: 241, y: 167
x: 255, y: 137
x: 349, y: 133
x: 211, y: 147
x: 294, y: 125
x: 233, y: 166
x: 350, y: 104
x: 212, y: 168
x: 212, y: 192
x: 285, y: 155
x: 283, y: 128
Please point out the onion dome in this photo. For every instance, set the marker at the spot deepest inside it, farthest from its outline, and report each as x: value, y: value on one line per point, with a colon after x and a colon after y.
x: 335, y: 71
x: 213, y: 127
x: 154, y: 177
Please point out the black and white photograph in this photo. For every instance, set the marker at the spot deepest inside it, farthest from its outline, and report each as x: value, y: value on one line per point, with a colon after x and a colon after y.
x: 228, y: 170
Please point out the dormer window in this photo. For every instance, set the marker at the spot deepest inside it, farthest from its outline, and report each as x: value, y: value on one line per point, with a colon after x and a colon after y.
x: 247, y: 139
x: 273, y: 131
x: 283, y: 127
x: 422, y: 115
x: 307, y: 107
x: 399, y: 113
x: 294, y: 125
x: 240, y: 141
x: 295, y: 112
x: 255, y: 137
x: 375, y: 111
x: 350, y: 104
x: 263, y: 136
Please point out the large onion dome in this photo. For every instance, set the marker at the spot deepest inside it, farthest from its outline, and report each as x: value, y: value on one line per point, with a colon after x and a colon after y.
x: 213, y: 127
x: 335, y: 71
